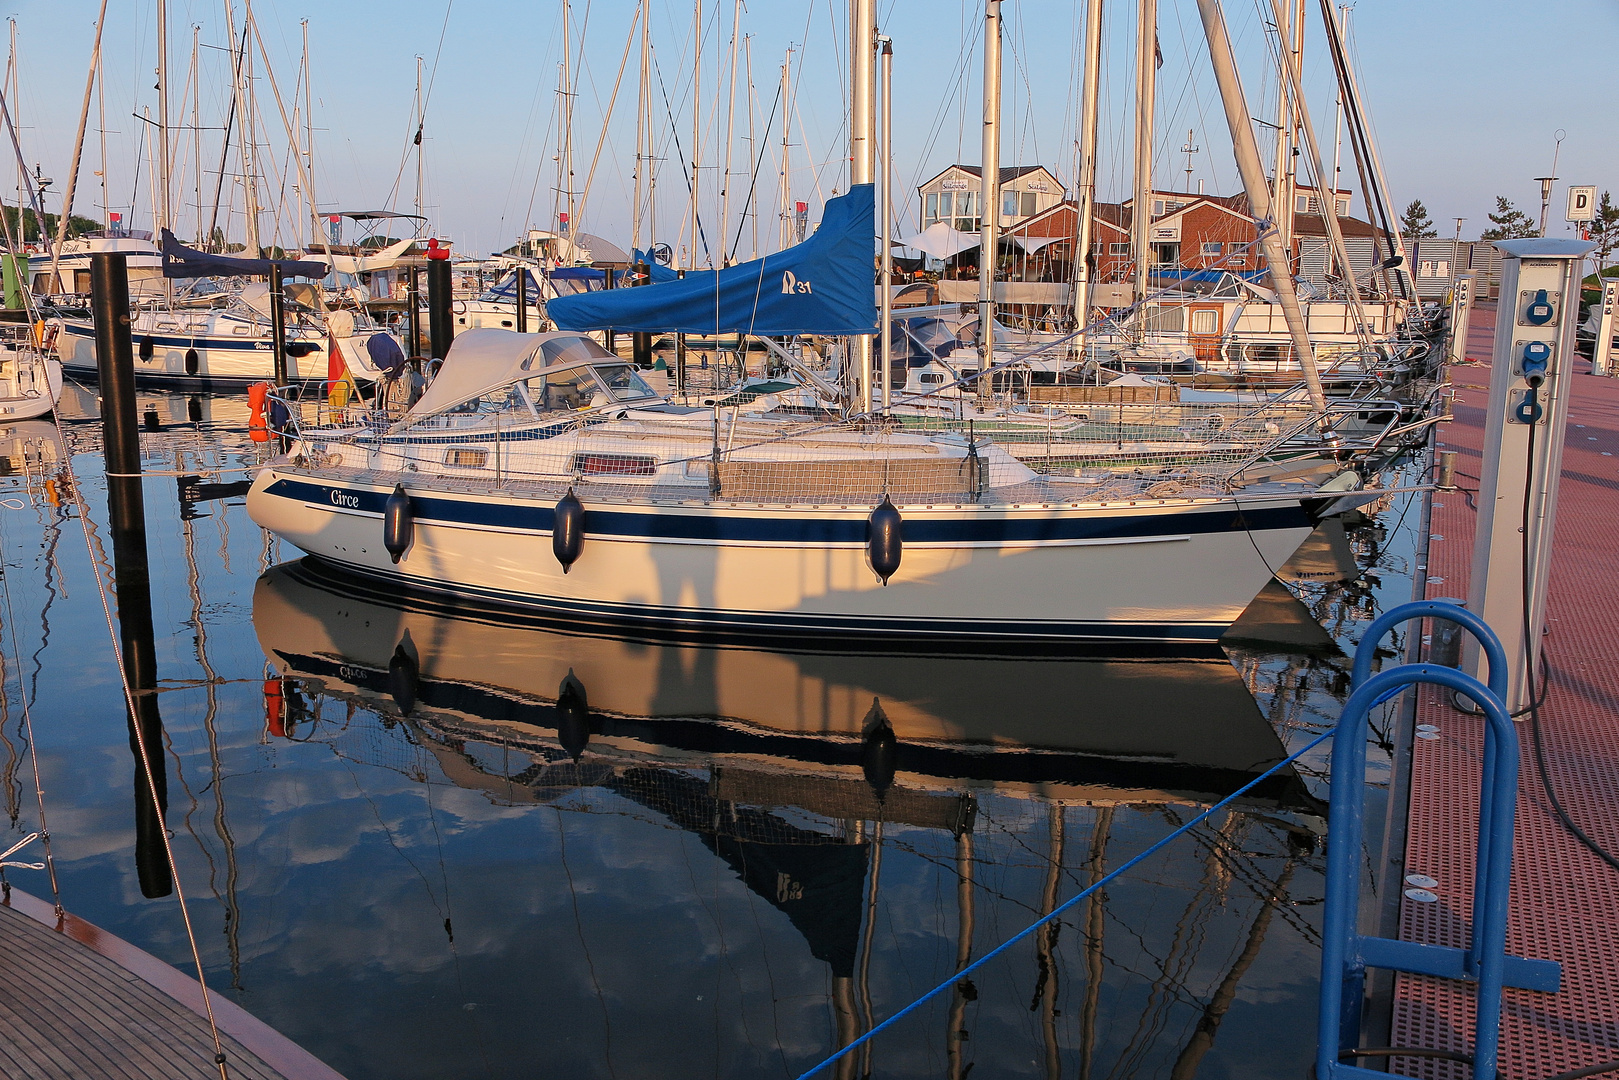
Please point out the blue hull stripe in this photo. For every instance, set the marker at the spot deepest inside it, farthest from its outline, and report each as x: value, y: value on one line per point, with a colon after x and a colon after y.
x: 244, y: 343
x: 819, y: 529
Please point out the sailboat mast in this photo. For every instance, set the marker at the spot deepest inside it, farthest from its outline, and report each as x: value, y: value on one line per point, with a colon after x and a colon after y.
x: 11, y: 94
x: 1146, y: 96
x: 641, y: 125
x: 1289, y: 17
x: 78, y: 152
x: 1085, y: 183
x: 990, y: 199
x: 1253, y: 181
x: 730, y: 139
x: 250, y: 171
x: 567, y: 133
x: 786, y: 150
x: 862, y: 164
x: 309, y: 141
x: 196, y: 124
x: 753, y: 205
x: 421, y: 120
x: 885, y: 207
x: 1328, y: 198
x: 163, y: 201
x: 696, y: 121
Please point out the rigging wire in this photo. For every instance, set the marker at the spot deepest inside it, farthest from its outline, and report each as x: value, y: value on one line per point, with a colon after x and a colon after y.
x: 146, y: 765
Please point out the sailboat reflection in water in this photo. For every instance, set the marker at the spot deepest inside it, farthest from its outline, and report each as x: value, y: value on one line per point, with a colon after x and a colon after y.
x: 794, y: 770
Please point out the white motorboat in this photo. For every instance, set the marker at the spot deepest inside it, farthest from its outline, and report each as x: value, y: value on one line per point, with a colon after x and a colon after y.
x: 30, y: 377
x: 539, y: 471
x: 192, y: 346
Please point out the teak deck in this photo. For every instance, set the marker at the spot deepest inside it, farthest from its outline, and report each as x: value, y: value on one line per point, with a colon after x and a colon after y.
x: 76, y: 1002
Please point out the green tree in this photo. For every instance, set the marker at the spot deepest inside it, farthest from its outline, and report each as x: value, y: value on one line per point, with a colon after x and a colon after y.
x: 1509, y: 223
x: 1604, y: 229
x: 1414, y: 223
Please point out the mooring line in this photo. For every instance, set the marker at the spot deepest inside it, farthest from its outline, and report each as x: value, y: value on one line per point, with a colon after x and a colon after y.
x: 955, y: 978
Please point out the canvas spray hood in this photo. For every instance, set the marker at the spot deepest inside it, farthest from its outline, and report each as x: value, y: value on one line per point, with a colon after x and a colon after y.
x: 826, y: 285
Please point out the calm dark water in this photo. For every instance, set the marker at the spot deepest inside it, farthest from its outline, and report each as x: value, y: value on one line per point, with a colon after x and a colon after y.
x: 578, y: 855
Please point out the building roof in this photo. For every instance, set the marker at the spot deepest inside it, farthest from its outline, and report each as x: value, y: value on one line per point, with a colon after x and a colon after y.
x: 1008, y: 172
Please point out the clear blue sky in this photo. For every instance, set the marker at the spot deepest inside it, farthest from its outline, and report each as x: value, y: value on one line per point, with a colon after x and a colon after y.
x: 1466, y: 98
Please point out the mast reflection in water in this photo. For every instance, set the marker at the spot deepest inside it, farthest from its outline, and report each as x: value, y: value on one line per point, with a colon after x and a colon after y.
x: 795, y: 773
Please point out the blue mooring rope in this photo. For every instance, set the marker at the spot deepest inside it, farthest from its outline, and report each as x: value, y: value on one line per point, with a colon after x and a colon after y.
x: 1064, y: 906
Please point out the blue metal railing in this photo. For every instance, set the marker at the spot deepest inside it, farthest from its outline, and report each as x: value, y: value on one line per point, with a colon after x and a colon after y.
x: 1346, y: 954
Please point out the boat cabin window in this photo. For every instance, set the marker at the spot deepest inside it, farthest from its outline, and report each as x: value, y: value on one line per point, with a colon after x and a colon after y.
x: 562, y: 391
x: 571, y: 350
x: 622, y: 382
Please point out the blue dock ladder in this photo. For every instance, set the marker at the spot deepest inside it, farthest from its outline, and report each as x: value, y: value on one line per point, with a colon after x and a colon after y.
x: 1346, y: 953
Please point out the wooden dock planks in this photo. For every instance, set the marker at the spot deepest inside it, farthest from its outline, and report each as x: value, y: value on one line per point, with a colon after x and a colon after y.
x: 68, y: 1011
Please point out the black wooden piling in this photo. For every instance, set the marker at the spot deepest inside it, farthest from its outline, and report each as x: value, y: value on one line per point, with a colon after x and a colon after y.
x: 642, y: 349
x: 278, y: 325
x: 126, y: 513
x: 439, y: 329
x: 522, y: 299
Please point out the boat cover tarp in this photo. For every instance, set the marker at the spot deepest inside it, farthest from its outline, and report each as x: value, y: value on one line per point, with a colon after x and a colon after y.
x: 822, y: 286
x: 656, y: 269
x: 1207, y: 277
x: 479, y: 361
x: 180, y: 261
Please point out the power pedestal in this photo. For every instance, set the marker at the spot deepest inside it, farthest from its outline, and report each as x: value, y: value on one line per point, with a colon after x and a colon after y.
x: 1602, y: 362
x: 1530, y: 381
x: 1461, y: 307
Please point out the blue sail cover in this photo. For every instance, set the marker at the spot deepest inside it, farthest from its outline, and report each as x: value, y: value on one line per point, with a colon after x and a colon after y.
x: 180, y: 261
x: 826, y: 285
x: 655, y: 269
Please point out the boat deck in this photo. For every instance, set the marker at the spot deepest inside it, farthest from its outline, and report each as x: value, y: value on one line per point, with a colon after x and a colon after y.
x: 1565, y: 900
x: 78, y: 1002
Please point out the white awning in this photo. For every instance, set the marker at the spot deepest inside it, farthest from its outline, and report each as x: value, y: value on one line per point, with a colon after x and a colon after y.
x: 1031, y: 244
x: 940, y: 241
x: 358, y: 264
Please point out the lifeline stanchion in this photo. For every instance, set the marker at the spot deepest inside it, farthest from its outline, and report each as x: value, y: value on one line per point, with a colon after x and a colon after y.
x: 1345, y: 953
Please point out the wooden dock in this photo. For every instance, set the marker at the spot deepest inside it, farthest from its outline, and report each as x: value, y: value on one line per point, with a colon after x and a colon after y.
x: 1564, y: 899
x: 78, y: 1002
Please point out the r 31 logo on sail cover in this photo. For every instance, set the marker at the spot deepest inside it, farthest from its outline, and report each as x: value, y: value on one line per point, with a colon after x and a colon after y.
x: 790, y: 284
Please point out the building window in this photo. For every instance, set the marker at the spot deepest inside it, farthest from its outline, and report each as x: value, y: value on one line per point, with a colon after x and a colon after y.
x: 1030, y: 201
x: 1118, y: 249
x: 931, y: 214
x: 1343, y: 207
x: 946, y: 205
x: 1009, y: 204
x: 1213, y: 247
x: 1158, y: 208
x: 1098, y: 248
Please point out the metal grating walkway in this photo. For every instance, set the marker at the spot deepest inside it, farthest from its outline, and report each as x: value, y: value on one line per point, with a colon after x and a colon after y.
x: 1565, y: 901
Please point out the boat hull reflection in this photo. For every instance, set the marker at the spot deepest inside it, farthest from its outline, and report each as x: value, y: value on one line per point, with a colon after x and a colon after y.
x: 1095, y: 730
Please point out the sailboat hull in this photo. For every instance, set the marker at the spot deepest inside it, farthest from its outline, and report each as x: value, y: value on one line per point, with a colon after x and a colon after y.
x: 221, y: 362
x: 1148, y: 571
